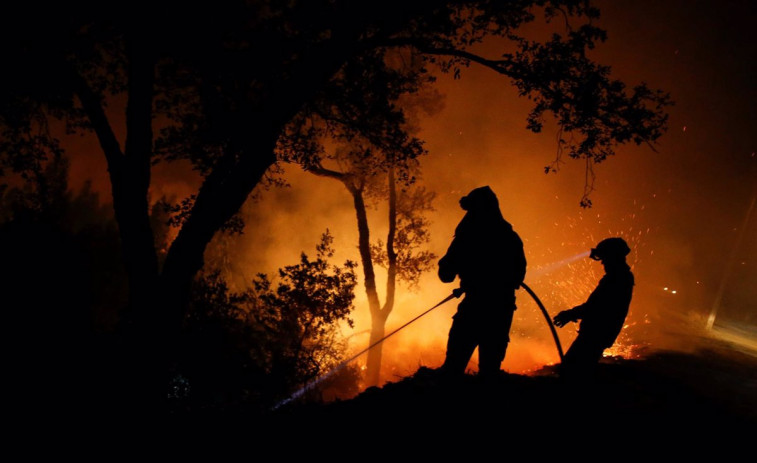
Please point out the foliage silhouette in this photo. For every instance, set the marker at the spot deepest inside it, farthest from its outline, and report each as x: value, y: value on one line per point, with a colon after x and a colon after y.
x: 256, y: 346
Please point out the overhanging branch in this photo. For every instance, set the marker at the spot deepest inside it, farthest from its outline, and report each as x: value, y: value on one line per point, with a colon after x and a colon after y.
x: 323, y: 172
x: 500, y: 65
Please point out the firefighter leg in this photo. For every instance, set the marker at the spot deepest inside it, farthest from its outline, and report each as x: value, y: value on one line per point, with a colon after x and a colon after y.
x: 495, y: 335
x: 460, y: 345
x: 582, y: 357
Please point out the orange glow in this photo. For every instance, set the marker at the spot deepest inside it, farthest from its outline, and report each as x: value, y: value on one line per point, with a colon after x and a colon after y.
x: 676, y: 208
x: 472, y: 142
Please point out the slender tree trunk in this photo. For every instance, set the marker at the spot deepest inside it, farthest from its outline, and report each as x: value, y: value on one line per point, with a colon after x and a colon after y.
x: 379, y: 314
x: 364, y: 247
x: 377, y: 319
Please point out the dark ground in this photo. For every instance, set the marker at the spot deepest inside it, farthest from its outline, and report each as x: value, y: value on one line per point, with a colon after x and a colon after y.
x: 702, y: 404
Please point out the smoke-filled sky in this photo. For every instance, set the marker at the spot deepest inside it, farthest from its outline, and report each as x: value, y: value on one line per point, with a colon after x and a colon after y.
x: 680, y: 207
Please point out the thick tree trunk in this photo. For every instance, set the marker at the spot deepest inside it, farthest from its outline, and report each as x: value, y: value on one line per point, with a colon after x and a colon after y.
x: 129, y: 172
x: 253, y: 134
x: 222, y: 195
x: 130, y: 199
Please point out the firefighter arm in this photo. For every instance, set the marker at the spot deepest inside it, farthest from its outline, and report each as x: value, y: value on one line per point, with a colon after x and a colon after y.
x: 580, y: 311
x: 520, y: 263
x: 566, y: 316
x: 448, y: 267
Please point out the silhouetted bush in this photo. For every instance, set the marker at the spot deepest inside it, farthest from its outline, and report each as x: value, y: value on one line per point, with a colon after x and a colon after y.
x: 257, y: 346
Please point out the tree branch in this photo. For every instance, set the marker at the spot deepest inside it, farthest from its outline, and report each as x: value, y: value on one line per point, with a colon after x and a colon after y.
x: 323, y: 172
x: 501, y: 65
x: 139, y: 139
x: 100, y: 124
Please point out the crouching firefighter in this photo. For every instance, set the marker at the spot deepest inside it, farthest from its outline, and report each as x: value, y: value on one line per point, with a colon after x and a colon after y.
x: 488, y: 256
x: 604, y: 312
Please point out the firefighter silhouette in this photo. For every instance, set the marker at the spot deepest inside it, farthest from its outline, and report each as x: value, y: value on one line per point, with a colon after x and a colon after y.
x: 604, y: 312
x: 487, y: 255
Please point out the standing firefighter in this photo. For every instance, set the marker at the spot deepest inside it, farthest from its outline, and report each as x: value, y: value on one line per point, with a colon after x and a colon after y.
x: 603, y: 314
x: 488, y: 257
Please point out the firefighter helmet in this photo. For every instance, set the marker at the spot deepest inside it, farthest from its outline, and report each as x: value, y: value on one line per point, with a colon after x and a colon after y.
x: 480, y: 199
x: 610, y: 247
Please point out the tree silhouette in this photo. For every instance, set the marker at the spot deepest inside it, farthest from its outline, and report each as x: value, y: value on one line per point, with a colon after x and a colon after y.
x: 400, y: 254
x: 170, y: 81
x: 376, y: 161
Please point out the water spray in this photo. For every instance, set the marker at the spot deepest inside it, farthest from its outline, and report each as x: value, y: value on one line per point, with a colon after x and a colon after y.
x: 555, y: 265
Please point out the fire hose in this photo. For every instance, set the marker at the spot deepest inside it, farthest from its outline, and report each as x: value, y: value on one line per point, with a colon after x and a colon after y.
x: 547, y: 317
x: 455, y: 294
